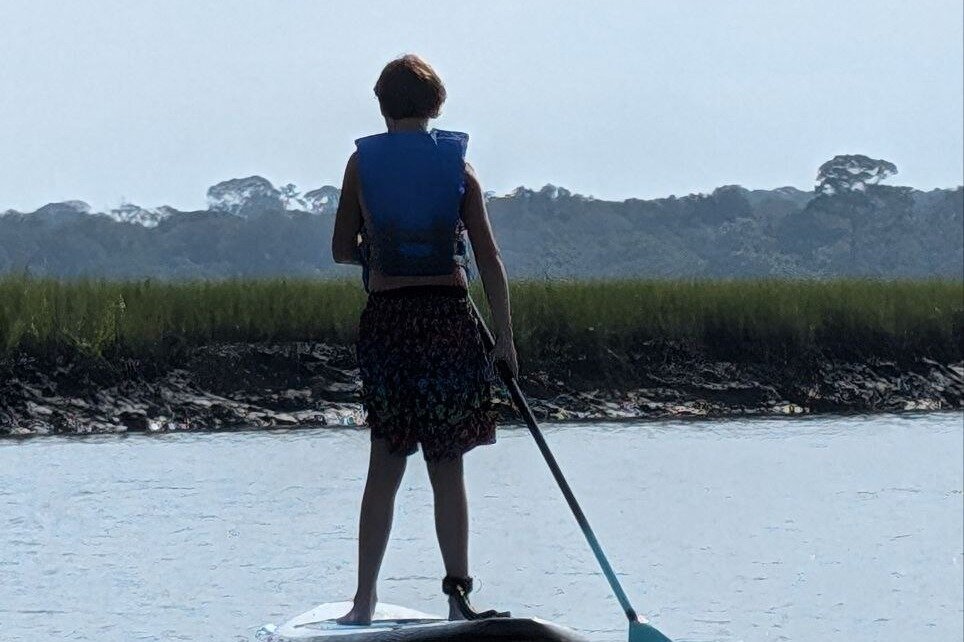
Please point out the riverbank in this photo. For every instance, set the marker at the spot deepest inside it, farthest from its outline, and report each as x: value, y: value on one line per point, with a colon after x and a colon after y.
x: 227, y: 386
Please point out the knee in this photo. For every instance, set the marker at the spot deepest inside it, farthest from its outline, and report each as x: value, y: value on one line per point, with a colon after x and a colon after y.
x: 385, y: 465
x: 445, y: 473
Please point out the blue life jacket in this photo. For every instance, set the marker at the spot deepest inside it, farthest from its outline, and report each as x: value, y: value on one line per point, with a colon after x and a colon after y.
x: 413, y: 183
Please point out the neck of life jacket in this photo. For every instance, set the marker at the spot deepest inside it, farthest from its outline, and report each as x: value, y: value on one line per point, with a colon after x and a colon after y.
x: 412, y: 183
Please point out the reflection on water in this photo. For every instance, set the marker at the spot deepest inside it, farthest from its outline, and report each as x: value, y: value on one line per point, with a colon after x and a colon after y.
x: 842, y: 528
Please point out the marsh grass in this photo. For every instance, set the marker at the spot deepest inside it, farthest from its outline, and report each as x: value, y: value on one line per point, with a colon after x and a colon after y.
x: 737, y: 319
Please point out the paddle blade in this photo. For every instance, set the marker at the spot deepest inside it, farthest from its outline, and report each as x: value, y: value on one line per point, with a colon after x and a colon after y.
x: 643, y: 632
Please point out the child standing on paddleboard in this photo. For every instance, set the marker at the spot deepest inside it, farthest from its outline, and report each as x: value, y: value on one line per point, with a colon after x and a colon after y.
x: 407, y: 200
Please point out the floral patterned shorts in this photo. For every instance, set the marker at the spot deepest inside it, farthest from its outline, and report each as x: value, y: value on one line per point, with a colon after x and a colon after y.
x: 426, y: 378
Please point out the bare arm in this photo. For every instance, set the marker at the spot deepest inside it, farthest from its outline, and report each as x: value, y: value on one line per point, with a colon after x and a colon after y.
x: 348, y: 219
x: 487, y: 256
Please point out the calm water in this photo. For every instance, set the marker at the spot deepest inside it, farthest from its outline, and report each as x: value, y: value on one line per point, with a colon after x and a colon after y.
x: 816, y: 529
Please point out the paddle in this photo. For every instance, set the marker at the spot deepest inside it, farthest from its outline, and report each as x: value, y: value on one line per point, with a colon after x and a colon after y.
x: 639, y: 628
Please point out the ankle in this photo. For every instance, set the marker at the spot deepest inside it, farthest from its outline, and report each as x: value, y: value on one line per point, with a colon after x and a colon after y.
x: 366, y: 597
x: 453, y: 585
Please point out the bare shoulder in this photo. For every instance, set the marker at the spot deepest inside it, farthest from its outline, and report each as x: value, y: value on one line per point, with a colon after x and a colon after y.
x: 351, y: 167
x: 472, y: 184
x: 472, y: 208
x: 477, y: 221
x: 350, y: 182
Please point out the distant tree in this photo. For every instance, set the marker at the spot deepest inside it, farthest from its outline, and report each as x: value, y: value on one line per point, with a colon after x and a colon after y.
x: 851, y: 173
x: 883, y: 230
x: 323, y: 200
x: 845, y: 204
x: 244, y: 196
x: 290, y: 194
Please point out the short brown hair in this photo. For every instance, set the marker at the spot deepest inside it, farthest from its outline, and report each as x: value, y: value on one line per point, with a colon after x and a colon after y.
x: 408, y: 87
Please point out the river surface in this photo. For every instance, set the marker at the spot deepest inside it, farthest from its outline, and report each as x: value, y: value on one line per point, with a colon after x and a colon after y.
x: 802, y: 529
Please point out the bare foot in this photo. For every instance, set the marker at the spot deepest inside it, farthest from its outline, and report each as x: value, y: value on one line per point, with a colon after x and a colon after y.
x: 361, y: 612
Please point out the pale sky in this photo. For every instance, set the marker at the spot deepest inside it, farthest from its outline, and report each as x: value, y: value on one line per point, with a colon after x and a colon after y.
x: 155, y: 101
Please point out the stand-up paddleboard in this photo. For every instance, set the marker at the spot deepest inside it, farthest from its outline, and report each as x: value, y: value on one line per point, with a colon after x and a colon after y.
x: 393, y: 623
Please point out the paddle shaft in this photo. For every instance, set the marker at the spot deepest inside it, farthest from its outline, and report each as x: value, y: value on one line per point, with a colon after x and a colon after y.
x: 523, y: 407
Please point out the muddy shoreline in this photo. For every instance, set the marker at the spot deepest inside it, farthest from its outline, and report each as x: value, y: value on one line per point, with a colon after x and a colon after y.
x: 232, y: 386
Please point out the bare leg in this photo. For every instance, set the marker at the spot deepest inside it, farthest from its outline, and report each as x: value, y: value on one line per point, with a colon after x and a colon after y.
x: 385, y: 472
x: 451, y: 519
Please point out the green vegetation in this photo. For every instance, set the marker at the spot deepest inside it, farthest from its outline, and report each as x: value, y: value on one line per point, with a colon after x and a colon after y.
x: 878, y: 231
x: 769, y: 318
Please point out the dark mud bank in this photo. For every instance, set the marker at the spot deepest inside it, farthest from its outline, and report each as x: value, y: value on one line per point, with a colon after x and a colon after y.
x: 305, y: 384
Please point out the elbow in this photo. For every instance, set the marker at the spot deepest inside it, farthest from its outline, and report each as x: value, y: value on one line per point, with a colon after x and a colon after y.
x: 345, y: 250
x: 489, y: 263
x: 341, y: 254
